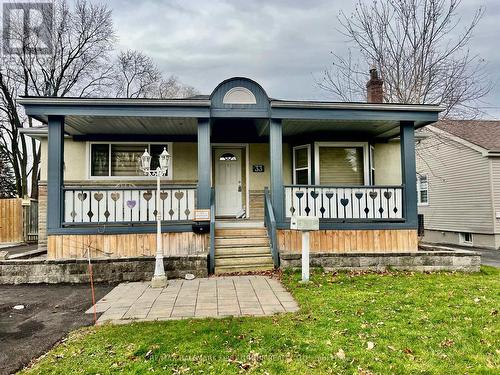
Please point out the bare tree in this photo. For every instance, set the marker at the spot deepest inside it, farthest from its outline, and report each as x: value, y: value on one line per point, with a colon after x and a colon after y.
x: 137, y: 76
x: 421, y: 49
x: 77, y: 65
x: 172, y: 87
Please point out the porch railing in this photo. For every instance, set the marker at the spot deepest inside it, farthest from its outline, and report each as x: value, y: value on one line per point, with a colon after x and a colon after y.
x: 345, y: 203
x: 211, y: 261
x: 270, y: 224
x: 125, y: 205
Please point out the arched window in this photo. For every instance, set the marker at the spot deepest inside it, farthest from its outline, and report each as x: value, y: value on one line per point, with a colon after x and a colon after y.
x: 227, y: 157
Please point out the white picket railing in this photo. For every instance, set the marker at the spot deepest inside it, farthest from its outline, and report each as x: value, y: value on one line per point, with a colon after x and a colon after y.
x: 127, y: 204
x: 356, y: 203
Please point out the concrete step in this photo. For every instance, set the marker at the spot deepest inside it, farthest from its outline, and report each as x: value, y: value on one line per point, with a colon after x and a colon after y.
x: 241, y: 241
x: 242, y: 251
x: 244, y: 268
x: 241, y: 232
x: 264, y: 260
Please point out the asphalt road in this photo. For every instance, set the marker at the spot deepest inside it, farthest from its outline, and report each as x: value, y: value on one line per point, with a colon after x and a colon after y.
x: 51, y: 311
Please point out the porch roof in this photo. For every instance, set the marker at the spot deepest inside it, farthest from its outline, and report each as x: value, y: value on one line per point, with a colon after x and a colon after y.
x: 179, y: 116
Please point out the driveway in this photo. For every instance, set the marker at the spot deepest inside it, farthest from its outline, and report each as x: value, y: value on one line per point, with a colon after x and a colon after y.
x: 50, y: 312
x: 489, y: 257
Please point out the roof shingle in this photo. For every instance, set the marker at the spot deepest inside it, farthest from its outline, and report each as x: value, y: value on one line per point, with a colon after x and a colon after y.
x: 483, y: 133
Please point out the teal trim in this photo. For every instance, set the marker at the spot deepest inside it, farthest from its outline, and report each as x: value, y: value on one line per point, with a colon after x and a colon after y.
x: 409, y: 172
x: 44, y: 110
x: 355, y: 225
x: 204, y: 164
x: 270, y: 223
x: 125, y: 229
x: 55, y: 157
x: 353, y: 114
x: 276, y: 160
x: 211, y: 260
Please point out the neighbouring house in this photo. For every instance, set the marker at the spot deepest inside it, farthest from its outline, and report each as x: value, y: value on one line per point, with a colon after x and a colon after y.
x: 458, y: 182
x: 351, y: 164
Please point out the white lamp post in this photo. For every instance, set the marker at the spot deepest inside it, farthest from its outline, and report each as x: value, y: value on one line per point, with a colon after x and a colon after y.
x: 159, y: 278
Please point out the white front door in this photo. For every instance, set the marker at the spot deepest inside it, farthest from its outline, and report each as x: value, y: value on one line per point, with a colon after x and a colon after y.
x: 228, y: 188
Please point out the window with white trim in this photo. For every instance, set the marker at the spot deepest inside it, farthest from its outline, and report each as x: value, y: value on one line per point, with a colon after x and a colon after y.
x: 465, y: 238
x: 302, y: 165
x: 422, y: 189
x: 123, y: 159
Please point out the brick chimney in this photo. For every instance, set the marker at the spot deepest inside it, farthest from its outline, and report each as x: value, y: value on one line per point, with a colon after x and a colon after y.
x: 374, y: 87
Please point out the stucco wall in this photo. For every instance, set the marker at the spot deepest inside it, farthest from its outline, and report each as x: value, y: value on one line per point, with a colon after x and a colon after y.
x: 387, y: 162
x: 184, y: 160
x: 75, y: 161
x: 259, y: 154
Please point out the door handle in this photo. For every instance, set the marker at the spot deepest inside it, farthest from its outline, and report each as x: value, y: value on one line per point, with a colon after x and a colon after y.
x: 239, y: 186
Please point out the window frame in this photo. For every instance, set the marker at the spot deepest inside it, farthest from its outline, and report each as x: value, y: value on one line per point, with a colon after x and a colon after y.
x: 462, y: 241
x: 308, y: 168
x: 419, y: 202
x: 168, y: 176
x: 366, y: 158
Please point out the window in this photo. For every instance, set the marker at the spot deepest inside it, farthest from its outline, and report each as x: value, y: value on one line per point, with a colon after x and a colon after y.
x: 465, y: 238
x: 227, y: 157
x: 301, y: 165
x: 342, y: 163
x: 422, y: 190
x: 123, y: 159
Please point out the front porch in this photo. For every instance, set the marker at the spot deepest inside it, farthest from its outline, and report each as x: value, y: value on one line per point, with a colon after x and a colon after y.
x: 350, y: 164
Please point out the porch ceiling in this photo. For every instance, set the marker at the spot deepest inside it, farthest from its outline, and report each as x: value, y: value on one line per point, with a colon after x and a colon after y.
x: 82, y: 125
x: 368, y: 128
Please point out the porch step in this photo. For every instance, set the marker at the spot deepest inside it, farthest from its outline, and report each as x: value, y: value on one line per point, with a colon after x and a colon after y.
x: 241, y: 232
x: 264, y: 260
x: 242, y: 250
x: 244, y: 268
x: 241, y: 241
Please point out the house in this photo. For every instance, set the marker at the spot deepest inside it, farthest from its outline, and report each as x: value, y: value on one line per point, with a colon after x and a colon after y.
x: 251, y: 159
x: 458, y: 168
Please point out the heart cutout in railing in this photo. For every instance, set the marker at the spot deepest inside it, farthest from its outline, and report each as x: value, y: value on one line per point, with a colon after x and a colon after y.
x: 131, y: 204
x: 373, y: 194
x: 314, y: 194
x: 387, y: 194
x: 115, y: 196
x: 358, y: 195
x: 344, y: 202
x: 98, y: 196
x: 299, y: 194
x: 179, y: 195
x: 147, y: 196
x: 163, y: 195
x: 82, y: 196
x: 329, y: 195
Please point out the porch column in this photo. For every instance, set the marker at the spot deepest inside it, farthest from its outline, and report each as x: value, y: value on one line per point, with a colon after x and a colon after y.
x: 409, y: 171
x: 276, y: 159
x: 55, y: 176
x: 204, y: 164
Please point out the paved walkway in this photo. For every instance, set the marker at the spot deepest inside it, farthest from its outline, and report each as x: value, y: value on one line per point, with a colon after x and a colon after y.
x: 214, y: 297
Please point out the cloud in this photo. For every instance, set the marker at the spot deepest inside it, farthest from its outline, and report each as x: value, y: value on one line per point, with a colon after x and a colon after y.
x: 281, y: 44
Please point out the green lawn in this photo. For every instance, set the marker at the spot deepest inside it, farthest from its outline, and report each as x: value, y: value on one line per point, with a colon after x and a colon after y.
x: 443, y: 323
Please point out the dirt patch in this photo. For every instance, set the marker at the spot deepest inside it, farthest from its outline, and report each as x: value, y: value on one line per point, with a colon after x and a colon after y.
x: 50, y: 312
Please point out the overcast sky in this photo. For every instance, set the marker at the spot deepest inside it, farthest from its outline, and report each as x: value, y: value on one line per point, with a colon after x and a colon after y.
x: 283, y: 45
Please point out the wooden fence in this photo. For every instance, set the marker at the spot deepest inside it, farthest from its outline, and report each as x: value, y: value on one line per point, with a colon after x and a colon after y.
x: 18, y: 222
x: 11, y: 220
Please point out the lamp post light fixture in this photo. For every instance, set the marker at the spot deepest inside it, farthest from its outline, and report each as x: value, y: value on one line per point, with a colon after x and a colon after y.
x: 159, y: 278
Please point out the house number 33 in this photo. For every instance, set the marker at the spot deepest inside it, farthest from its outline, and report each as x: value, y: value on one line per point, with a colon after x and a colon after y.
x: 259, y: 168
